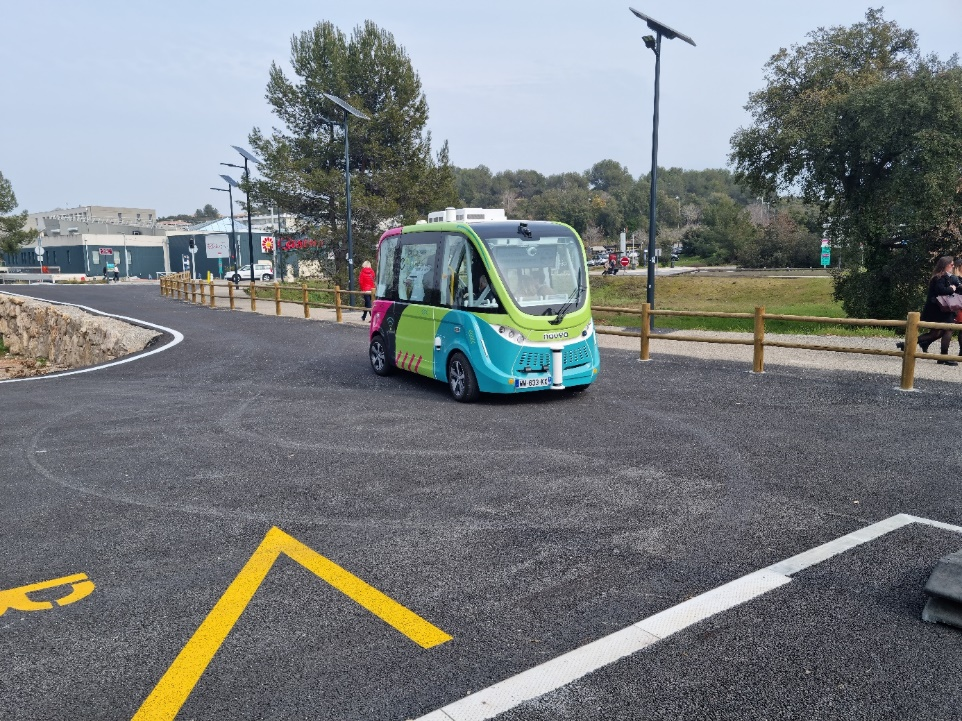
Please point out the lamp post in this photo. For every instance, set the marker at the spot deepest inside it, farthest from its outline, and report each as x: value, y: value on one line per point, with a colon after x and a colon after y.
x: 231, y: 183
x: 348, y: 110
x: 654, y: 44
x: 247, y: 179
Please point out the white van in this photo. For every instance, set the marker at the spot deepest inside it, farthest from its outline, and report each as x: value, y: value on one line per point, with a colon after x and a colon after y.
x: 262, y: 270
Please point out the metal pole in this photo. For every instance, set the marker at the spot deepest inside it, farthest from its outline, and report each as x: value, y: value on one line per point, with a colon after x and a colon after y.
x: 350, y: 235
x: 126, y: 259
x: 250, y: 232
x: 277, y: 237
x: 654, y: 184
x: 233, y: 230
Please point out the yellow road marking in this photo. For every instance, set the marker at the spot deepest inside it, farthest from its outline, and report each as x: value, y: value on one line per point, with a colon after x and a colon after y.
x: 176, y: 684
x: 17, y: 598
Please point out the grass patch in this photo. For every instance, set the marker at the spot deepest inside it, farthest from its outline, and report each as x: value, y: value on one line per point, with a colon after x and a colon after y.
x: 782, y: 296
x: 293, y: 292
x: 3, y: 349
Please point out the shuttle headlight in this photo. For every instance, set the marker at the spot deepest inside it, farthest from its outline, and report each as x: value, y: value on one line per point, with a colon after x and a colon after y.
x: 508, y: 333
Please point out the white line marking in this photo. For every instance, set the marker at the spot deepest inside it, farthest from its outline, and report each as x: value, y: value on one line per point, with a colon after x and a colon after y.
x: 568, y: 667
x: 177, y: 338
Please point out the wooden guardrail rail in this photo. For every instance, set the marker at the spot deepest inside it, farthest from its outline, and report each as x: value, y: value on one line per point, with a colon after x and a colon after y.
x: 911, y: 324
x: 181, y: 286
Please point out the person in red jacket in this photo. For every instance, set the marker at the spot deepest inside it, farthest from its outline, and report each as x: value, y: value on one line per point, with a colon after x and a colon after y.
x: 366, y: 283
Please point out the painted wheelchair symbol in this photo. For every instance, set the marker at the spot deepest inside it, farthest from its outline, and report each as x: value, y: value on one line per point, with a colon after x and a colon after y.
x: 19, y: 599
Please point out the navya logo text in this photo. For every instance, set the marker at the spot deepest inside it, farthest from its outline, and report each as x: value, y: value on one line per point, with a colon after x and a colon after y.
x: 553, y: 336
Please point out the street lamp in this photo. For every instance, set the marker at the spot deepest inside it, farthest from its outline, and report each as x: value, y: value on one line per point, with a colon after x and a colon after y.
x: 231, y: 183
x: 654, y: 44
x: 678, y: 198
x: 348, y: 110
x: 247, y: 179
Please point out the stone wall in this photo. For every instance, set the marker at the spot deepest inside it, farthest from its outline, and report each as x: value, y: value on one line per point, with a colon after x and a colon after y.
x: 66, y: 336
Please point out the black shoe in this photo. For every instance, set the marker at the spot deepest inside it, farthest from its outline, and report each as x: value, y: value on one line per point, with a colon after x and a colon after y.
x: 900, y: 345
x: 924, y: 347
x: 947, y: 363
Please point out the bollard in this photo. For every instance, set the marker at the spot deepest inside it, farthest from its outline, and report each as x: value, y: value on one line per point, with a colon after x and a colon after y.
x: 211, y: 281
x: 307, y: 308
x: 253, y: 297
x: 230, y: 294
x: 277, y: 298
x: 645, y: 331
x: 337, y: 303
x: 758, y: 357
x: 908, y: 354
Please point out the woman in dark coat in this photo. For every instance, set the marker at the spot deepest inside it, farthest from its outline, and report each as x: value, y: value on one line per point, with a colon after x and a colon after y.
x: 943, y: 282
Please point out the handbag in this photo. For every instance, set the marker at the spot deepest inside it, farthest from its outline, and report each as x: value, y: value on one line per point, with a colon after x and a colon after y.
x: 950, y: 303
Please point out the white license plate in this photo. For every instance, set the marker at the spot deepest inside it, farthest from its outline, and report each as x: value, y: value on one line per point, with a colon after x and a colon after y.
x: 533, y: 382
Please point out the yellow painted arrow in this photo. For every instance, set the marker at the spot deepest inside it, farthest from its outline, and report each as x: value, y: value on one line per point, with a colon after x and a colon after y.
x: 176, y: 684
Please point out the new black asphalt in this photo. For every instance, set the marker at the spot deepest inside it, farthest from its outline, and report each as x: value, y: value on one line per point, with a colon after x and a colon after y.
x: 522, y: 526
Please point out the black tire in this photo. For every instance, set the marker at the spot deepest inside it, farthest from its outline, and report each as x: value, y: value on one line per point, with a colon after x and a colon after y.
x: 236, y: 279
x: 461, y: 379
x: 377, y: 354
x: 266, y: 277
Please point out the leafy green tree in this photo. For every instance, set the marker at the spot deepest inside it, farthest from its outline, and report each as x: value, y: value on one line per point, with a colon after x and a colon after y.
x: 726, y: 233
x: 208, y: 212
x: 13, y: 236
x: 395, y: 178
x: 869, y: 131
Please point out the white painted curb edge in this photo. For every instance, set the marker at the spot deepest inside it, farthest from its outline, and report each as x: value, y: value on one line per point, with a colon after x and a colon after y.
x: 564, y: 669
x: 177, y: 338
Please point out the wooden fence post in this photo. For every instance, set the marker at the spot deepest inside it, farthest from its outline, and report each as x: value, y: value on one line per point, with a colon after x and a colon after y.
x: 277, y: 298
x: 337, y: 303
x: 201, y: 284
x: 253, y: 297
x: 230, y: 294
x: 193, y: 291
x: 211, y: 281
x: 307, y: 308
x: 645, y: 331
x: 758, y: 357
x: 908, y: 355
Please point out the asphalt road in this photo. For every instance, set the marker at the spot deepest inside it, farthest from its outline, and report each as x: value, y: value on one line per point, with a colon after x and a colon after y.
x: 522, y: 527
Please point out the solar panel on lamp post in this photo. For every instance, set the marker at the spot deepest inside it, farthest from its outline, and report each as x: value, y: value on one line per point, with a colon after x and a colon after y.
x: 654, y: 44
x: 247, y: 178
x: 348, y: 110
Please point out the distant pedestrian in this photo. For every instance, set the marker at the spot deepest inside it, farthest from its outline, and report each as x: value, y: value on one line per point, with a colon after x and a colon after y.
x: 942, y: 282
x: 105, y: 273
x: 116, y: 274
x: 367, y: 284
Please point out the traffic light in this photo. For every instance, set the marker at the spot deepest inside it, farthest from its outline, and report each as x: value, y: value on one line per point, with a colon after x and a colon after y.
x: 190, y: 244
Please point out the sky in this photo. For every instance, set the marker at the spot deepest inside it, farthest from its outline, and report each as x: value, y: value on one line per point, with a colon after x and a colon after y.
x: 133, y: 103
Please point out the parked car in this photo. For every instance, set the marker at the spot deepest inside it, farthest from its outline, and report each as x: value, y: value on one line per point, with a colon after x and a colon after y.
x: 264, y: 271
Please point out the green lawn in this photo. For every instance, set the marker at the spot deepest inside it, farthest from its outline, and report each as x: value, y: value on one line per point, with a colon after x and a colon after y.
x: 737, y: 294
x: 740, y: 294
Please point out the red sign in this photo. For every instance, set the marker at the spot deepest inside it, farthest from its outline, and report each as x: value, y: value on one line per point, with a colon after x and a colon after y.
x: 106, y: 251
x: 624, y: 261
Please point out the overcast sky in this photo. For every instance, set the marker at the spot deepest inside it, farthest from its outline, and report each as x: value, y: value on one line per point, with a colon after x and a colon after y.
x: 134, y: 103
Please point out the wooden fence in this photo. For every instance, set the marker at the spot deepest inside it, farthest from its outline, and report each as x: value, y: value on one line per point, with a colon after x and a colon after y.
x: 182, y: 287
